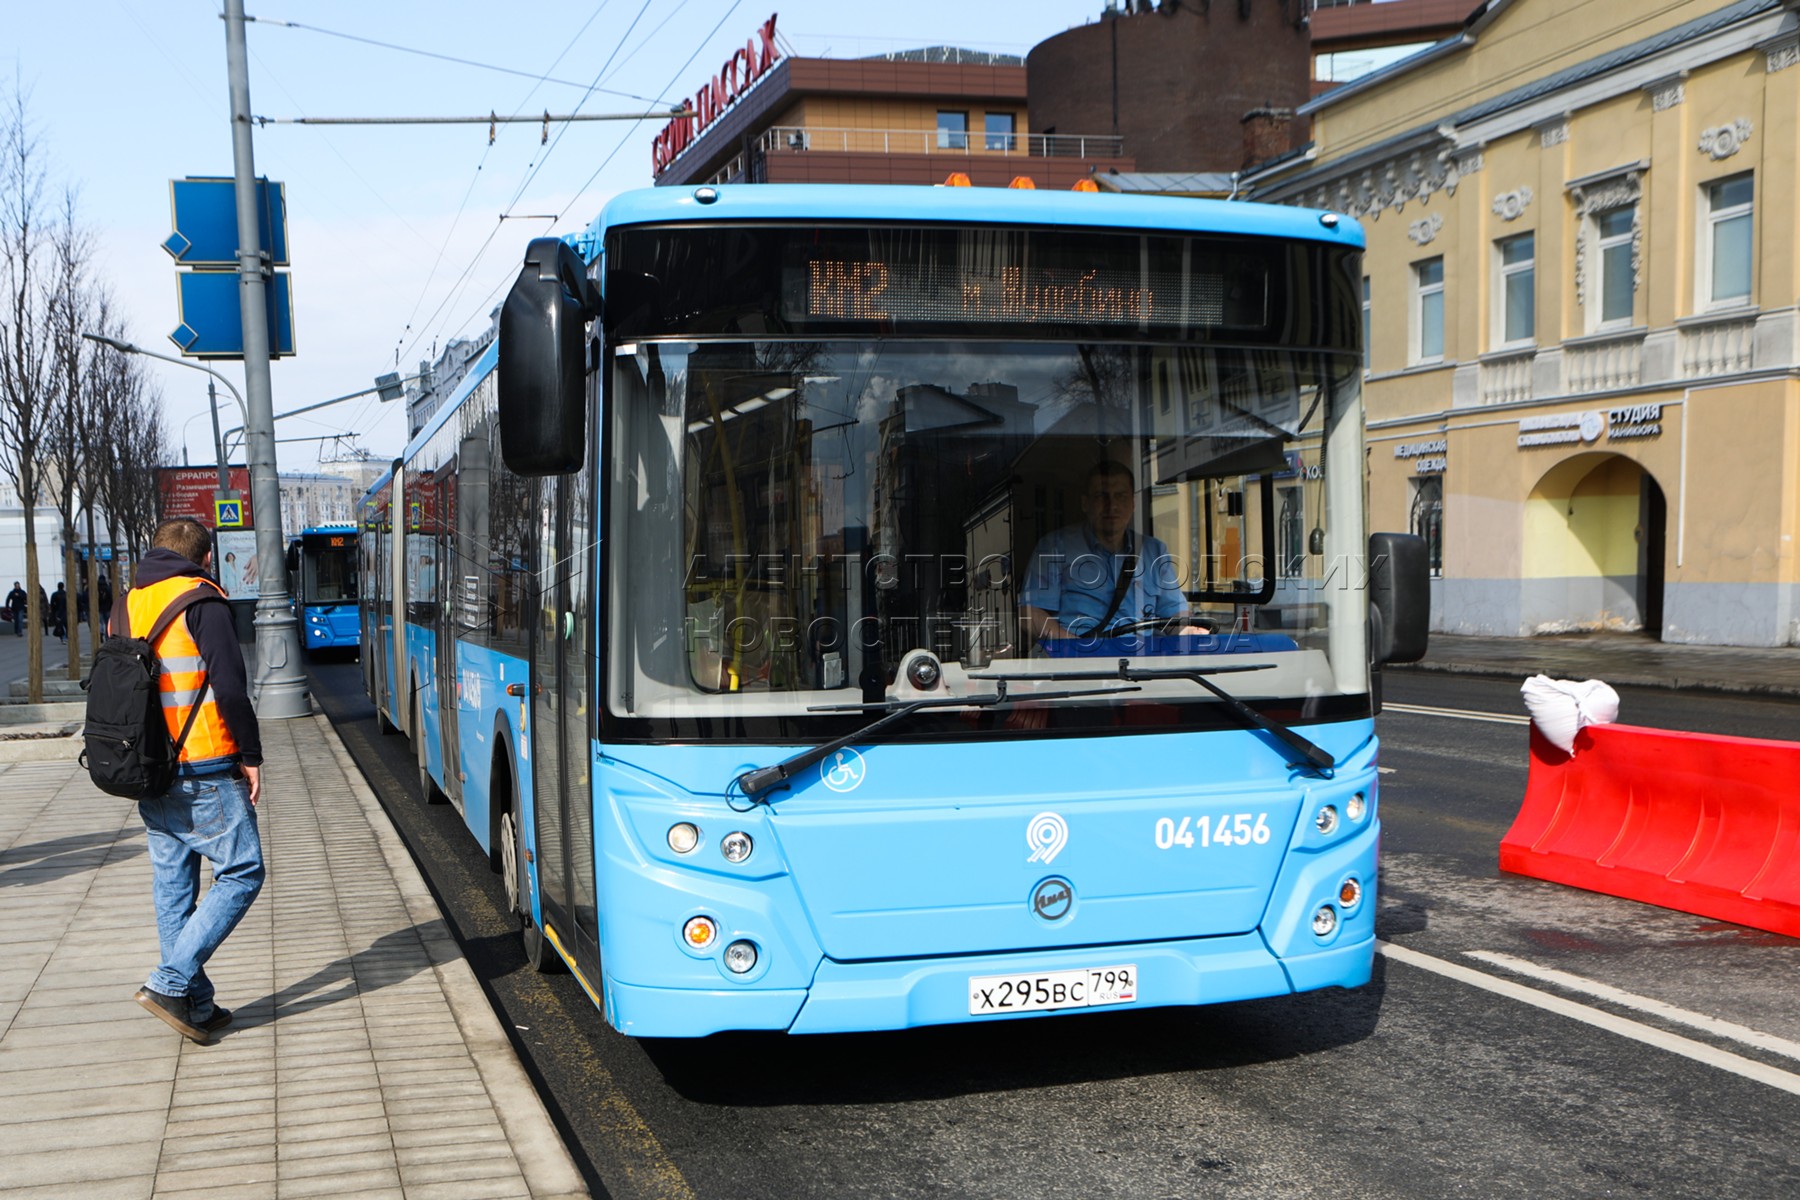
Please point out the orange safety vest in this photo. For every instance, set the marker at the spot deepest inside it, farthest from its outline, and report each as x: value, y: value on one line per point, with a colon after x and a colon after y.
x: 183, y: 678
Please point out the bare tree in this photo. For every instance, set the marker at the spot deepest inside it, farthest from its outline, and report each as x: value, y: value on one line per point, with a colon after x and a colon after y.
x: 27, y: 381
x: 69, y: 307
x: 142, y: 445
x: 101, y: 408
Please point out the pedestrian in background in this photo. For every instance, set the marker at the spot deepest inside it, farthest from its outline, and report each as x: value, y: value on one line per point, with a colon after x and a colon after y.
x: 59, y: 612
x: 16, y: 600
x: 106, y: 602
x: 210, y: 812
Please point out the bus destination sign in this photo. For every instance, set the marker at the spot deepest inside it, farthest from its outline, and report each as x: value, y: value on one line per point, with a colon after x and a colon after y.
x: 1017, y: 294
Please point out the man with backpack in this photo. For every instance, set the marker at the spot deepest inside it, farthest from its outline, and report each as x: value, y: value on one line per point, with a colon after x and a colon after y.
x: 209, y: 812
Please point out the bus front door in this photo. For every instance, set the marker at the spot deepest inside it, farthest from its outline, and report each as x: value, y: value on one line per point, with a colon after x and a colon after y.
x: 561, y: 745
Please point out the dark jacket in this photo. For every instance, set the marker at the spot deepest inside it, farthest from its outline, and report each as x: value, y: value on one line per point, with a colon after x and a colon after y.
x: 215, y: 633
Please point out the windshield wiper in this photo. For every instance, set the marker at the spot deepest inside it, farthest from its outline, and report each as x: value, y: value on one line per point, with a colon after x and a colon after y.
x: 762, y: 779
x: 1316, y: 756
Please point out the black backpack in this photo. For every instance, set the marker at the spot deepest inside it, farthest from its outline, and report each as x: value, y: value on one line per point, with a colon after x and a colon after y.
x: 128, y: 751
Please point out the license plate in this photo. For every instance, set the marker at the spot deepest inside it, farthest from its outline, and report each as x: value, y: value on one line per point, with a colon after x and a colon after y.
x: 1088, y: 987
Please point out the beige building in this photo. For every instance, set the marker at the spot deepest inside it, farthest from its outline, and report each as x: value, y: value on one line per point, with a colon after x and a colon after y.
x: 1583, y: 345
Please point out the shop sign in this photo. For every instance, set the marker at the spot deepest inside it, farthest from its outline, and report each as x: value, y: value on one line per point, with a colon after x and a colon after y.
x: 1626, y: 421
x: 1633, y: 421
x: 1428, y: 458
x: 1561, y: 429
x: 716, y: 95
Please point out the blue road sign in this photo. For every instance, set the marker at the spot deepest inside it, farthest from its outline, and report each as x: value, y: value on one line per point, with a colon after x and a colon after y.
x: 212, y: 324
x: 204, y: 211
x: 228, y: 513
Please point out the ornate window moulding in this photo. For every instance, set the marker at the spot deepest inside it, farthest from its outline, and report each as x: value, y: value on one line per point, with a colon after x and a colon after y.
x: 1425, y: 229
x: 1723, y: 141
x: 1598, y: 192
x: 1510, y: 206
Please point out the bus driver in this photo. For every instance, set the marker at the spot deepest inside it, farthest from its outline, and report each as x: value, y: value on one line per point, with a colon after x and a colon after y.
x: 1097, y: 578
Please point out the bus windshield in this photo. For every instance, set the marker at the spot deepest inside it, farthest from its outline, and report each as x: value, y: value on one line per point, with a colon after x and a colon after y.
x: 329, y: 569
x: 791, y: 523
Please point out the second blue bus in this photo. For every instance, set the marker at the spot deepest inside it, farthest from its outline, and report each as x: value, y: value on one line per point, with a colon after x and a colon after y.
x: 323, y: 570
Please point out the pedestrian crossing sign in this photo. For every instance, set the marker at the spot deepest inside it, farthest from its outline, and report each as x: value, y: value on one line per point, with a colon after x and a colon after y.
x: 228, y: 513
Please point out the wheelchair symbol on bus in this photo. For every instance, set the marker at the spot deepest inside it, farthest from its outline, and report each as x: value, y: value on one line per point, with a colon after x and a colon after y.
x: 843, y: 771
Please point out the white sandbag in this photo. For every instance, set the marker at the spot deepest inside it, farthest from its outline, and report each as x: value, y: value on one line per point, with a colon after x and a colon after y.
x: 1561, y: 707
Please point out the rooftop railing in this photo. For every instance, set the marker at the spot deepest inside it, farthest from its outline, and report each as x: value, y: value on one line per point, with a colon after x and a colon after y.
x: 797, y: 139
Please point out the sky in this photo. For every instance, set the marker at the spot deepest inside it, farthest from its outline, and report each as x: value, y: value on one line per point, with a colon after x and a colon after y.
x: 401, y: 237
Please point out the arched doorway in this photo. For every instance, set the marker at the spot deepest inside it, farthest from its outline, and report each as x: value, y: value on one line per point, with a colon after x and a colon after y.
x: 1595, y: 530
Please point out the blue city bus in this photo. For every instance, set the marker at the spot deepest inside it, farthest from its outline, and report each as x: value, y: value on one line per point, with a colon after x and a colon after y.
x: 324, y: 572
x: 704, y: 598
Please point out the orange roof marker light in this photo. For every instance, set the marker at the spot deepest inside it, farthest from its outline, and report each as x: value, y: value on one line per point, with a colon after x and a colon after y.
x: 1084, y: 185
x: 1022, y: 181
x: 958, y: 179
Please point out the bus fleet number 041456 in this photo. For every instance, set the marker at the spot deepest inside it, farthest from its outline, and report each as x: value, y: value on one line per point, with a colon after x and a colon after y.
x: 1224, y: 829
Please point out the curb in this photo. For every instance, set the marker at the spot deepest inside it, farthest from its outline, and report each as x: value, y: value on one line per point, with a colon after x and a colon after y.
x: 50, y: 749
x: 1658, y: 682
x: 543, y: 1158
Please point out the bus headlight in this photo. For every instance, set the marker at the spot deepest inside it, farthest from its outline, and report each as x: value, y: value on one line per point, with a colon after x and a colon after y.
x: 735, y: 846
x: 740, y: 958
x: 1324, y: 922
x: 683, y: 838
x: 1327, y: 820
x: 1356, y: 806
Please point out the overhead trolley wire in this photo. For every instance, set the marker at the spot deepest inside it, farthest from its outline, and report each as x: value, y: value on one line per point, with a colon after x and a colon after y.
x: 403, y: 348
x: 450, y: 58
x: 719, y: 24
x: 468, y: 271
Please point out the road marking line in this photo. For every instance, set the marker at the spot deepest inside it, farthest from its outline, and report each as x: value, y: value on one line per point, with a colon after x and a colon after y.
x: 1668, y: 1012
x: 1625, y: 1027
x: 1460, y: 714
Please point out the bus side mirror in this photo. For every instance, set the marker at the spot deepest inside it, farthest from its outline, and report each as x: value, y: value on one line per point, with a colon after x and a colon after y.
x: 543, y: 361
x: 1399, y: 597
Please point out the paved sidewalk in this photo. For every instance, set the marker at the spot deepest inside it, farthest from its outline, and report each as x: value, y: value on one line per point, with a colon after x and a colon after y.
x: 363, y: 1061
x: 1619, y: 659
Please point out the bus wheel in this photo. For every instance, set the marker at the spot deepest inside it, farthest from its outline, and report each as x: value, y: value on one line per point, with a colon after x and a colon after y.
x: 428, y: 787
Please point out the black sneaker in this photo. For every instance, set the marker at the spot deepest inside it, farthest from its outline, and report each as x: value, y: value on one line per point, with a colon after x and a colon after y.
x: 220, y: 1019
x: 172, y: 1011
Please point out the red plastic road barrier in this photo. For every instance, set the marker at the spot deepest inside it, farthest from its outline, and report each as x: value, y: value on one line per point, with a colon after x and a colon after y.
x: 1689, y: 821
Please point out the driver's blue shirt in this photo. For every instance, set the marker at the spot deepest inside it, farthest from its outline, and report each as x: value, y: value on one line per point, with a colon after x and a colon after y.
x: 1073, y: 578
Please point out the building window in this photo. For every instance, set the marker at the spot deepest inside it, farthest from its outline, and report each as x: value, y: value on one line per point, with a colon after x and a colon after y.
x: 1428, y: 310
x: 999, y: 129
x: 953, y: 131
x: 1517, y: 308
x: 1613, y: 238
x: 1725, y: 243
x: 1428, y: 518
x: 1368, y: 329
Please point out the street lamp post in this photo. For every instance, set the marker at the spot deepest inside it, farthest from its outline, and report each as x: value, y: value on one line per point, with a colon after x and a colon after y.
x: 281, y: 685
x: 273, y: 692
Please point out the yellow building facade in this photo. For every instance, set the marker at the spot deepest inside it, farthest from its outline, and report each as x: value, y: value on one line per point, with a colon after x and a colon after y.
x: 1583, y: 344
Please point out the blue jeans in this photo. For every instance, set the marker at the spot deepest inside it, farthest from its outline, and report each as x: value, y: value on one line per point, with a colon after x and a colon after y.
x: 210, y: 817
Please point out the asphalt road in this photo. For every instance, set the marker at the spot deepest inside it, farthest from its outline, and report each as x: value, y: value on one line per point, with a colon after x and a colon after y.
x: 1463, y: 1069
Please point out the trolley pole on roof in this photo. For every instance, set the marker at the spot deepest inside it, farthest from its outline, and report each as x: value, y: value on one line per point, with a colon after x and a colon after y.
x: 280, y: 686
